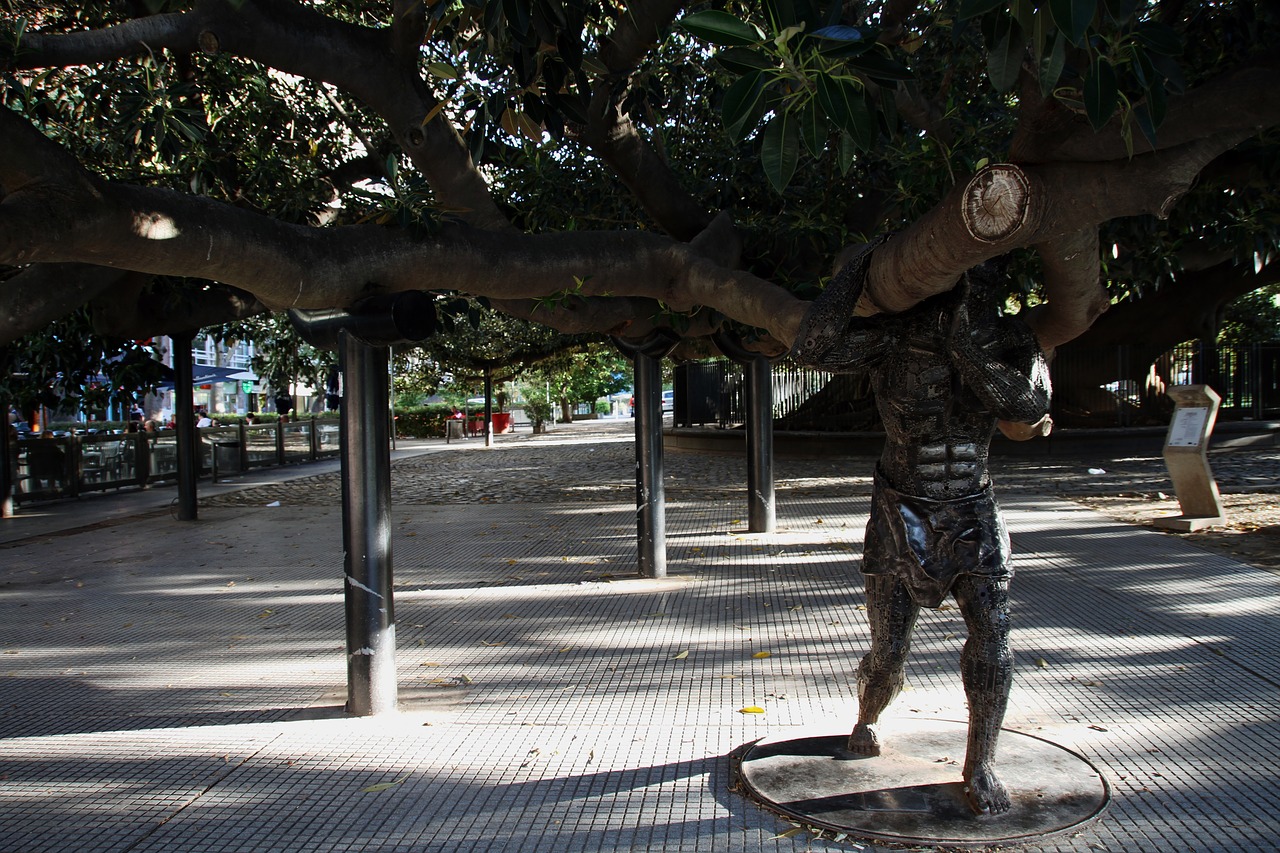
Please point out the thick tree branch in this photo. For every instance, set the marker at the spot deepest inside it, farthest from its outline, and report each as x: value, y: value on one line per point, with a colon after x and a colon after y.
x: 1184, y: 309
x: 284, y: 265
x: 408, y: 29
x: 627, y: 317
x: 42, y: 293
x: 1007, y: 207
x: 1072, y: 286
x: 612, y: 136
x: 141, y: 306
x: 1245, y: 98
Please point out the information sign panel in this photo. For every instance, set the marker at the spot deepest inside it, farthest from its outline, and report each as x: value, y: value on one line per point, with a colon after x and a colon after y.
x: 1187, y: 429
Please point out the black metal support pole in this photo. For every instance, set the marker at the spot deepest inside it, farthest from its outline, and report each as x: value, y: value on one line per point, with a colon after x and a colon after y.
x: 8, y: 463
x: 761, y: 515
x: 366, y: 530
x: 651, y: 519
x: 761, y: 512
x: 488, y: 406
x: 184, y: 419
x: 363, y: 336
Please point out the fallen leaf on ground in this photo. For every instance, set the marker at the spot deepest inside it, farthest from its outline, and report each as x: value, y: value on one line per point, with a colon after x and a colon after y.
x: 382, y: 786
x: 762, y: 654
x: 680, y: 655
x: 751, y: 709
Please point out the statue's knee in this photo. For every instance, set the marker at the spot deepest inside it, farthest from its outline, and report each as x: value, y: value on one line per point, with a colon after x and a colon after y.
x: 883, y: 662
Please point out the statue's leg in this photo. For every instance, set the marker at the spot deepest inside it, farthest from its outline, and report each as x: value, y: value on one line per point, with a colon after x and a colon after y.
x: 986, y: 666
x: 881, y: 674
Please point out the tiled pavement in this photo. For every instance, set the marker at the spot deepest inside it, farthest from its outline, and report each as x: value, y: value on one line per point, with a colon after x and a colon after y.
x: 170, y: 686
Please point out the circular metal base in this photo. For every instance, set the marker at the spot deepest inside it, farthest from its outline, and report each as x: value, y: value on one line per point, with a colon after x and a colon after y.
x: 911, y: 793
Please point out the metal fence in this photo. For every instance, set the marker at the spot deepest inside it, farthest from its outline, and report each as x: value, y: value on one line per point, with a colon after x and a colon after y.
x: 1107, y: 386
x: 66, y: 466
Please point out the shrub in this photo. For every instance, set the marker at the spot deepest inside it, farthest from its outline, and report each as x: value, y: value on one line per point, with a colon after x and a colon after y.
x: 422, y: 421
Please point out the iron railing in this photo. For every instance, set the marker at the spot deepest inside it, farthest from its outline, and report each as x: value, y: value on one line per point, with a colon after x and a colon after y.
x: 1107, y: 386
x: 66, y: 466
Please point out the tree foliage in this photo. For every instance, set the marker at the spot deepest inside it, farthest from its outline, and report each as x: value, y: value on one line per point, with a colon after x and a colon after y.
x: 1253, y: 318
x: 612, y: 168
x: 67, y: 365
x: 580, y: 376
x: 280, y: 355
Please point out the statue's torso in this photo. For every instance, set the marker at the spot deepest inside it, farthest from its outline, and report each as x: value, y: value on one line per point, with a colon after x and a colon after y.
x: 937, y: 432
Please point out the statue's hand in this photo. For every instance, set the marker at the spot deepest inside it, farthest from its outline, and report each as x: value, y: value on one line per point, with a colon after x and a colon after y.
x: 1023, y: 432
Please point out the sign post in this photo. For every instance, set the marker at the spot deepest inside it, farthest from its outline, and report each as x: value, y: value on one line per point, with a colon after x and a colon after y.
x: 1184, y: 455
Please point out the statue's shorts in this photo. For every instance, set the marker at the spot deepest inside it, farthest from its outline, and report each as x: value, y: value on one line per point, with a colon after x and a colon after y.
x: 927, y: 544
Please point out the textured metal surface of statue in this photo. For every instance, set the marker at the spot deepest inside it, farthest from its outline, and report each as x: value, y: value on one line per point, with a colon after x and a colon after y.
x: 945, y: 373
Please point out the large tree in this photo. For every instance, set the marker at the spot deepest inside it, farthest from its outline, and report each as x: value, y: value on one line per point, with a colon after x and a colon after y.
x: 620, y: 166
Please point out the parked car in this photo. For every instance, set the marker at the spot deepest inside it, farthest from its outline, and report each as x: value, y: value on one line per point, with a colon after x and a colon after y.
x: 668, y: 403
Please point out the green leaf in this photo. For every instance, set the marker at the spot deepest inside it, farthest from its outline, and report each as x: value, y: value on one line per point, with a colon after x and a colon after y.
x: 1142, y: 115
x: 721, y: 28
x: 743, y: 105
x: 978, y: 8
x: 1052, y: 63
x: 813, y: 130
x: 1159, y: 38
x: 841, y: 32
x: 743, y: 60
x: 846, y: 106
x: 1121, y: 10
x: 881, y: 68
x: 442, y: 71
x: 492, y: 16
x: 838, y: 48
x: 1024, y: 12
x: 1073, y: 18
x: 517, y: 13
x: 862, y: 118
x: 780, y: 150
x: 1100, y: 93
x: 379, y: 787
x: 1157, y: 104
x: 1169, y: 68
x: 831, y: 98
x: 1004, y: 59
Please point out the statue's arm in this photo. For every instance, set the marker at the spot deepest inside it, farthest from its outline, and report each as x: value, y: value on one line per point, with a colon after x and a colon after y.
x: 1005, y: 368
x: 832, y: 336
x: 843, y: 345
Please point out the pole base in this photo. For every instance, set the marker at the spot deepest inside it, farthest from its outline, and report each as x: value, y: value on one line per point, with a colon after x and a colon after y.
x: 1189, y: 523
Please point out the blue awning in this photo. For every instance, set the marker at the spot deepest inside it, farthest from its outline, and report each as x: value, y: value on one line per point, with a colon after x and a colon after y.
x: 204, y: 374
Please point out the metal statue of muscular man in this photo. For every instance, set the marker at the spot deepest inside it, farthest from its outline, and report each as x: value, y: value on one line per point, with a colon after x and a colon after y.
x: 944, y: 373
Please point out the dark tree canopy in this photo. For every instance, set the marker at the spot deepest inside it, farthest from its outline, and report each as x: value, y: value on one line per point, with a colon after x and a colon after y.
x: 609, y: 168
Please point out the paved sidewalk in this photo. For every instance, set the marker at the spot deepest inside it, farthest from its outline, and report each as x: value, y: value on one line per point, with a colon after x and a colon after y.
x: 171, y: 686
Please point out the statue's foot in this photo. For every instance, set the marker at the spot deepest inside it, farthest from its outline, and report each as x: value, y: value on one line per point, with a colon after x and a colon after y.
x: 863, y: 740
x: 985, y: 793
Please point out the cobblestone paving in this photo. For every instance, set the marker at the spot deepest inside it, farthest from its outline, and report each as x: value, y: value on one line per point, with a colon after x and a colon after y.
x: 595, y: 462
